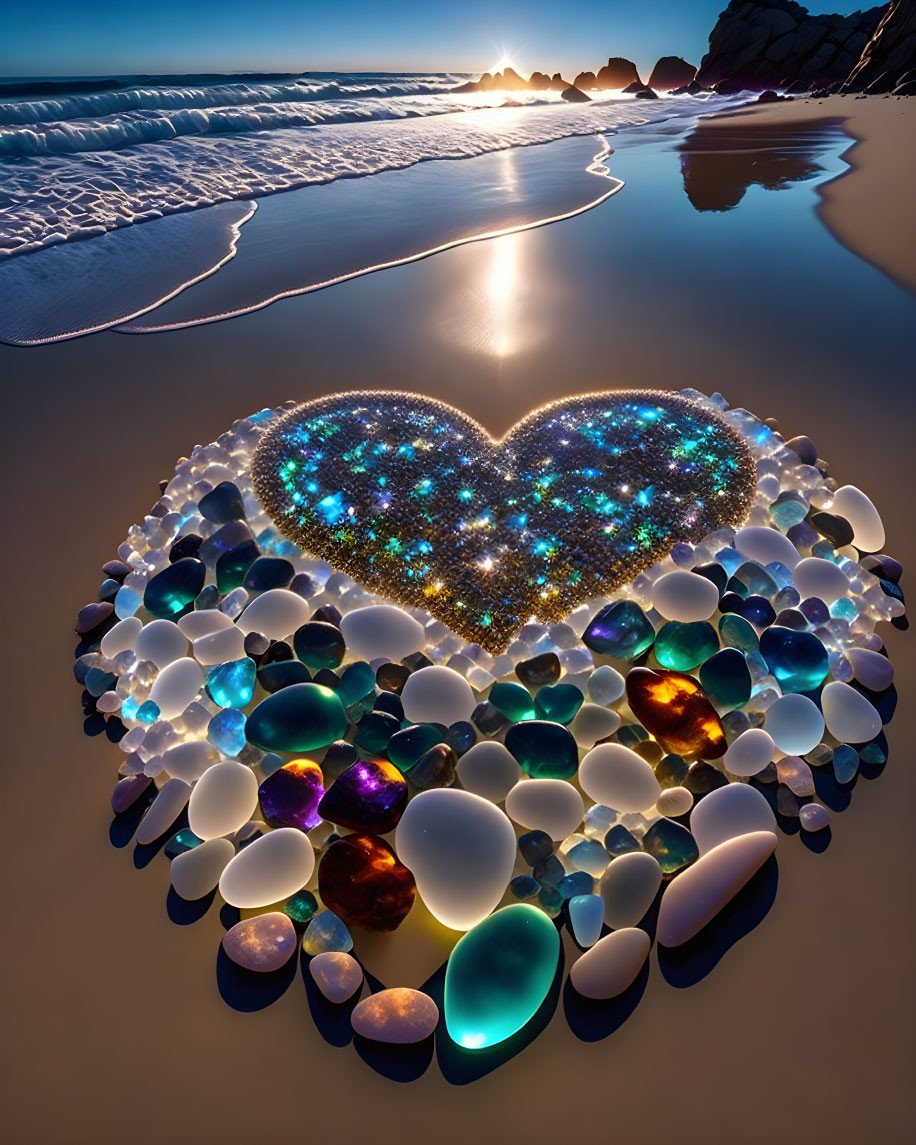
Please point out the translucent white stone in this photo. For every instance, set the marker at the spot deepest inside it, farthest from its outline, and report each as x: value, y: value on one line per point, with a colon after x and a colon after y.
x: 163, y: 811
x: 795, y: 773
x: 848, y: 715
x: 122, y: 637
x: 870, y: 668
x: 188, y: 761
x: 674, y: 801
x: 202, y: 623
x: 196, y: 872
x: 271, y: 868
x: 629, y: 887
x: 219, y: 647
x: 222, y: 800
x: 685, y: 596
x: 612, y: 964
x: 108, y: 702
x: 586, y: 917
x: 814, y: 817
x: 276, y: 614
x: 176, y: 686
x: 795, y: 724
x: 461, y: 850
x: 765, y: 545
x: 437, y: 695
x: 617, y: 777
x: 606, y: 685
x: 749, y: 753
x: 815, y: 576
x: 593, y: 722
x: 867, y: 527
x: 726, y: 812
x: 550, y: 805
x: 697, y: 895
x: 489, y: 769
x: 161, y: 642
x: 382, y: 630
x: 337, y: 975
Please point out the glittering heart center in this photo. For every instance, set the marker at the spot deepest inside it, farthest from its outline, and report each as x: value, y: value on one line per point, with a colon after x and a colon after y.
x: 416, y: 501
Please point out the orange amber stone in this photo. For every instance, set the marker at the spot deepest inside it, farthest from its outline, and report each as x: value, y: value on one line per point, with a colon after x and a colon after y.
x: 674, y: 708
x: 362, y: 881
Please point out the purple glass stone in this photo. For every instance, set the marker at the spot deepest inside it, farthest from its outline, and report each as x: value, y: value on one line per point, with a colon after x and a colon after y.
x: 368, y: 796
x: 127, y: 791
x: 290, y: 797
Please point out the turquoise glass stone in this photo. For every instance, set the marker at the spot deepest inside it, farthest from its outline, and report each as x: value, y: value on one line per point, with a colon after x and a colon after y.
x: 231, y: 685
x: 787, y: 510
x: 147, y: 713
x: 326, y: 932
x: 301, y: 907
x: 543, y: 750
x: 621, y: 630
x: 302, y: 717
x: 558, y: 702
x: 736, y: 632
x: 513, y: 701
x: 798, y: 660
x: 408, y: 745
x: 170, y: 592
x: 671, y: 844
x: 181, y: 841
x: 682, y: 646
x: 374, y: 732
x: 129, y: 709
x: 726, y: 678
x: 845, y: 763
x: 126, y: 602
x: 586, y: 918
x: 356, y: 682
x: 498, y: 976
x: 226, y: 731
x: 232, y: 567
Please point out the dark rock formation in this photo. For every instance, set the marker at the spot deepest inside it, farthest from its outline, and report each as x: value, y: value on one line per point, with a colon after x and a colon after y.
x: 574, y: 95
x: 586, y: 81
x: 508, y: 80
x: 890, y: 53
x: 646, y: 93
x: 692, y: 88
x: 615, y: 75
x: 539, y: 82
x: 759, y: 44
x: 671, y: 72
x: 633, y: 88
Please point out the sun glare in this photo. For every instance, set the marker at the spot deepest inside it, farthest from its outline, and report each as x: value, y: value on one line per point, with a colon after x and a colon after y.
x: 502, y: 63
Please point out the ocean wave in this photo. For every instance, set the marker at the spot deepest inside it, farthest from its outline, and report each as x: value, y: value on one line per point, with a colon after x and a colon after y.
x: 53, y: 198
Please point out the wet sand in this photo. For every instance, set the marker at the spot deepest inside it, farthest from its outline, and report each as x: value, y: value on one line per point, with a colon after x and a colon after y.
x: 117, y: 1028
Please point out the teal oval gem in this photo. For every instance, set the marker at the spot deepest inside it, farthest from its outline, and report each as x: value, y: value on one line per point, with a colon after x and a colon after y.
x: 170, y: 592
x: 726, y: 678
x: 543, y: 750
x: 681, y: 646
x: 408, y: 745
x: 498, y: 975
x: 231, y: 685
x: 302, y: 717
x: 512, y: 700
x: 738, y: 633
x: 558, y: 702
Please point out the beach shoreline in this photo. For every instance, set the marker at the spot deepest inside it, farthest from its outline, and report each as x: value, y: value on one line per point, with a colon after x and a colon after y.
x: 867, y: 208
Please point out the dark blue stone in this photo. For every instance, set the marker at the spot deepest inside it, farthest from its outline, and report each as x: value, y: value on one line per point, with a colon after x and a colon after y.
x: 798, y: 660
x: 535, y: 847
x: 374, y: 731
x: 172, y: 591
x: 488, y: 718
x: 714, y: 572
x: 845, y: 763
x: 577, y: 883
x: 815, y: 611
x: 268, y: 572
x: 792, y: 618
x: 524, y: 887
x: 621, y: 630
x: 223, y: 540
x: 98, y: 681
x: 757, y: 610
x: 461, y: 737
x: 302, y: 585
x: 186, y: 546
x: 232, y: 566
x: 109, y: 589
x: 328, y: 679
x: 620, y: 841
x: 726, y: 678
x: 319, y: 644
x: 281, y: 673
x: 390, y: 702
x: 327, y: 614
x: 222, y: 504
x: 208, y: 597
x: 256, y: 645
x: 550, y: 871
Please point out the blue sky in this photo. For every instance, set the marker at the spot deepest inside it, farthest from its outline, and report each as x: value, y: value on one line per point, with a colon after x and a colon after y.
x: 91, y: 37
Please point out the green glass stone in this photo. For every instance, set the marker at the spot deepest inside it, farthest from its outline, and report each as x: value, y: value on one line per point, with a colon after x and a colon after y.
x: 406, y: 746
x: 301, y: 907
x: 736, y: 632
x: 374, y: 731
x: 682, y: 646
x: 543, y: 750
x: 513, y: 701
x: 671, y: 844
x: 302, y: 717
x: 558, y: 702
x: 356, y: 683
x: 726, y: 679
x: 231, y: 685
x: 170, y: 592
x: 181, y: 841
x: 232, y: 567
x: 498, y: 975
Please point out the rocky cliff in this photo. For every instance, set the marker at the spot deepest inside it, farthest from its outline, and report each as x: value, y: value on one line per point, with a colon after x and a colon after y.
x: 890, y: 54
x: 759, y: 44
x: 617, y: 74
x: 671, y: 72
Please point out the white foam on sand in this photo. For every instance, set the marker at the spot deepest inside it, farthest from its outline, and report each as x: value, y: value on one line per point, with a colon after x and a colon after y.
x: 82, y: 287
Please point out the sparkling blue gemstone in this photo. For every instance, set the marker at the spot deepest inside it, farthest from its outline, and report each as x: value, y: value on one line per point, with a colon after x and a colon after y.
x: 757, y: 610
x: 129, y: 709
x: 126, y: 602
x: 148, y: 712
x: 577, y: 883
x: 524, y: 887
x: 232, y: 567
x: 621, y: 630
x: 231, y: 685
x: 461, y: 737
x: 798, y: 660
x: 172, y: 591
x: 586, y: 917
x: 226, y: 731
x: 845, y: 763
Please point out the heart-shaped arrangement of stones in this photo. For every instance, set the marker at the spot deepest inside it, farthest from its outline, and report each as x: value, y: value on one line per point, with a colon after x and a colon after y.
x: 417, y: 502
x: 652, y: 645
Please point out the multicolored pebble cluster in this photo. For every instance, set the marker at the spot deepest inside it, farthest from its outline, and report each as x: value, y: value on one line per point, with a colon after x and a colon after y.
x: 333, y: 763
x: 416, y: 501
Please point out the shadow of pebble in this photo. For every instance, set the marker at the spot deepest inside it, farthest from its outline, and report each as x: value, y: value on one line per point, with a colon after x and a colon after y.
x: 144, y: 853
x: 122, y: 828
x: 591, y: 1020
x: 397, y: 1063
x: 817, y: 841
x: 182, y: 912
x: 830, y: 793
x: 247, y: 990
x: 684, y: 966
x: 331, y: 1020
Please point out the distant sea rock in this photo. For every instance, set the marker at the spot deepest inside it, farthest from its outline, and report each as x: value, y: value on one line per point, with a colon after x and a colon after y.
x: 646, y: 93
x: 616, y: 74
x: 671, y: 72
x: 510, y: 80
x: 574, y: 95
x: 890, y: 54
x: 760, y: 44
